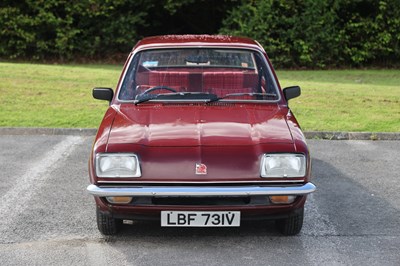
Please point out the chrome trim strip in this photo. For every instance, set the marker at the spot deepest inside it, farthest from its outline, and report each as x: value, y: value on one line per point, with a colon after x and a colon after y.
x: 200, y: 191
x: 202, y: 182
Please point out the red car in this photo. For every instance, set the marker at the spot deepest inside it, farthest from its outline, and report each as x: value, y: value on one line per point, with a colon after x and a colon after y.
x: 199, y: 133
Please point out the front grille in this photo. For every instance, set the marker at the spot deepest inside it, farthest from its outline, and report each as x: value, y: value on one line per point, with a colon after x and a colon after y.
x: 201, y: 201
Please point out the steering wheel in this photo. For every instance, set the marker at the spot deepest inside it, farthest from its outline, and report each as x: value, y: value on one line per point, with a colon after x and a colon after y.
x: 159, y: 88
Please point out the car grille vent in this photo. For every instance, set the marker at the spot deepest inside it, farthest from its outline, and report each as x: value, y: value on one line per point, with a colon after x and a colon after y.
x: 201, y: 201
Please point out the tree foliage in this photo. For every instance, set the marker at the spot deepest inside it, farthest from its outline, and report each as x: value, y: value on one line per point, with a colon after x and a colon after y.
x: 295, y: 33
x: 321, y: 33
x: 41, y: 29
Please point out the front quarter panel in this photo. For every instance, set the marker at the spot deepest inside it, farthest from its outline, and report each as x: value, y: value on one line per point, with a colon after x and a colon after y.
x: 101, y: 140
x: 299, y: 140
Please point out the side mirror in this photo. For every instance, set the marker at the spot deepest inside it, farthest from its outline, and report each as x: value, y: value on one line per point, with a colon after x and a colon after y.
x: 103, y: 94
x: 291, y: 92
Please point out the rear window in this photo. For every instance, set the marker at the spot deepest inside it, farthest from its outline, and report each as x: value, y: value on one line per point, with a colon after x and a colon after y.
x: 197, y: 57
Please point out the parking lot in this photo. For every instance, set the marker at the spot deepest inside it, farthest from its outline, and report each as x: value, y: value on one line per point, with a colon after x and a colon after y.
x: 48, y: 218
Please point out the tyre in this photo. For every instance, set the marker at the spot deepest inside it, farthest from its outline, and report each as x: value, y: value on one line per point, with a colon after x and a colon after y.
x: 292, y: 225
x: 107, y: 225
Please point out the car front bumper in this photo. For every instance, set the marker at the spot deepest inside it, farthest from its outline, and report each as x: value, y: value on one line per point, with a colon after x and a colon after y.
x: 200, y: 191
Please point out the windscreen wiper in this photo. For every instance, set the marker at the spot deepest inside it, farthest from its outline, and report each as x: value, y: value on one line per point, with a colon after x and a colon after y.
x: 141, y: 98
x: 242, y: 94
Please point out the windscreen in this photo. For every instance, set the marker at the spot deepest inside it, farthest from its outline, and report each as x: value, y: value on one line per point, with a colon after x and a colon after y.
x: 190, y: 74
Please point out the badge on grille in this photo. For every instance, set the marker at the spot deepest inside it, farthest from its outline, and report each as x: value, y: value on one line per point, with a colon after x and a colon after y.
x: 201, y: 169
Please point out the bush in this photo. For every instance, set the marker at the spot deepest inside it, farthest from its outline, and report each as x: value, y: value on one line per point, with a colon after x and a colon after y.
x: 295, y: 33
x: 61, y: 29
x: 318, y: 34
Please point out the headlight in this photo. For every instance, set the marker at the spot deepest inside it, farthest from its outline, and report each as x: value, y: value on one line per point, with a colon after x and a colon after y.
x: 117, y: 165
x: 283, y: 165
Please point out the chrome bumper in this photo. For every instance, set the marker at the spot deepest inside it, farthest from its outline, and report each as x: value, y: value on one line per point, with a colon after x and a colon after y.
x: 199, y: 191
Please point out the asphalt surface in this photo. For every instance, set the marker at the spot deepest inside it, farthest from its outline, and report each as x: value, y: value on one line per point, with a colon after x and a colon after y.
x: 47, y: 218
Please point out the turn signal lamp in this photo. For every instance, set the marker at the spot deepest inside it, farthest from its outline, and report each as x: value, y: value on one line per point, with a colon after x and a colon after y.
x: 119, y: 200
x: 282, y: 199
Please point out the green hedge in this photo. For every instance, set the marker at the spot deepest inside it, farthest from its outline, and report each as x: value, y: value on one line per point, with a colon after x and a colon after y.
x: 321, y: 33
x: 308, y: 33
x: 55, y: 29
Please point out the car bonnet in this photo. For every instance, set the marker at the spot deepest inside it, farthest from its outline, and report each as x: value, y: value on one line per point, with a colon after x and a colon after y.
x: 178, y: 125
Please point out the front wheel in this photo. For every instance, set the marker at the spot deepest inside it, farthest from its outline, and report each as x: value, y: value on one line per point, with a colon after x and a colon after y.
x: 107, y: 225
x: 292, y: 225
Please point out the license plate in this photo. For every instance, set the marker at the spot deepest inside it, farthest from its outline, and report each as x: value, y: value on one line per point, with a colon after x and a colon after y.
x: 200, y: 219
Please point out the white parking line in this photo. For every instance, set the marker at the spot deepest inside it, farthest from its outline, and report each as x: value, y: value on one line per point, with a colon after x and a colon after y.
x: 317, y: 227
x: 15, y: 200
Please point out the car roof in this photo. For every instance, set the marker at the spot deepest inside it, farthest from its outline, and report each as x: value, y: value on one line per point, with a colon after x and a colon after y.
x: 166, y: 41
